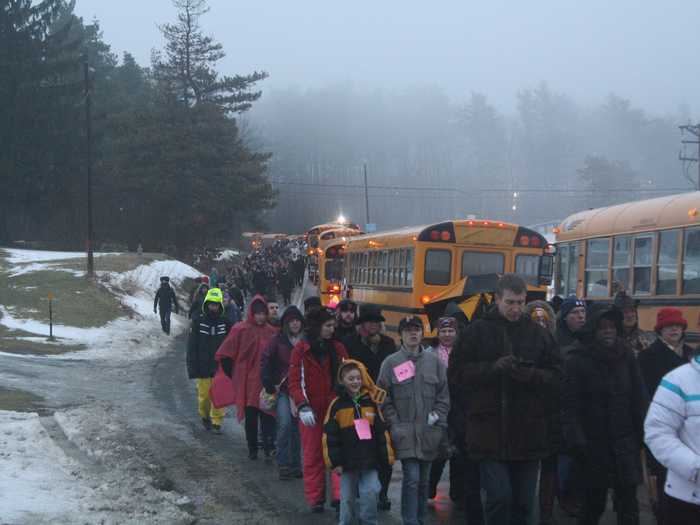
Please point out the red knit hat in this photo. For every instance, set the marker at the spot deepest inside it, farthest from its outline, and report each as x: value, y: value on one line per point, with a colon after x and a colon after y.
x: 204, y: 279
x: 670, y: 317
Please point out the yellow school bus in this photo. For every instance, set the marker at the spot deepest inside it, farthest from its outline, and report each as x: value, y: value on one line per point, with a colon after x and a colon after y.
x: 331, y: 261
x: 401, y: 271
x: 649, y: 248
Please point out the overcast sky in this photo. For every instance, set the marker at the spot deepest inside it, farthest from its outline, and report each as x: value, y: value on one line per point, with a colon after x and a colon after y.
x: 642, y: 49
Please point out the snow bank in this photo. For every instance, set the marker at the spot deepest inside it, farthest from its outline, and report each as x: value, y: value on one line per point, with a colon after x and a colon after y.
x: 137, y: 336
x: 40, y: 484
x: 37, y: 478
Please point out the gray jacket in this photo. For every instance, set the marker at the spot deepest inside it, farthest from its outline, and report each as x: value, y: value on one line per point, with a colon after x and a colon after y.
x: 409, y: 402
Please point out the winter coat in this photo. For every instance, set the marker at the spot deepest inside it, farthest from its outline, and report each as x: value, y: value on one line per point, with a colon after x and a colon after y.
x: 359, y: 349
x: 233, y: 314
x: 565, y: 338
x: 657, y: 361
x: 165, y: 299
x: 240, y: 356
x: 344, y: 333
x: 507, y: 415
x: 274, y: 364
x: 604, y: 401
x: 409, y: 402
x: 672, y: 430
x: 341, y: 445
x: 207, y: 333
x: 197, y: 302
x: 312, y: 382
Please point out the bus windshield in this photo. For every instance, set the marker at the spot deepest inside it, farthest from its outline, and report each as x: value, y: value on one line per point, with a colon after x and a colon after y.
x: 334, y: 270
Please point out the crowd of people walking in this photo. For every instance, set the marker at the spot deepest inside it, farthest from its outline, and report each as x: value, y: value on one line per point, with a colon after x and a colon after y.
x: 530, y: 405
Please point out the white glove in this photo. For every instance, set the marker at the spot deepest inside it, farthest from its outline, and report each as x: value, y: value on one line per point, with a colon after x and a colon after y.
x: 433, y: 418
x: 307, y: 417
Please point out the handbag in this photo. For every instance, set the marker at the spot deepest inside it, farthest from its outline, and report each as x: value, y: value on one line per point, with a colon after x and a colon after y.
x: 268, y: 402
x: 221, y: 392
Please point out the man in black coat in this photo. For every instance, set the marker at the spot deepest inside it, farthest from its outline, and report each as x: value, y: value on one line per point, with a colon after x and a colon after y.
x: 346, y: 317
x: 165, y: 300
x: 604, y: 402
x: 370, y: 347
x: 208, y: 332
x: 504, y: 367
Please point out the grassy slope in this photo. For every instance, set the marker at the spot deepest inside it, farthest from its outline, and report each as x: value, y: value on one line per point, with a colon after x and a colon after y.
x: 77, y: 301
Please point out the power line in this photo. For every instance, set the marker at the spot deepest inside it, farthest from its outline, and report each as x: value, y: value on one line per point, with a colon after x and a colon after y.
x: 477, y: 190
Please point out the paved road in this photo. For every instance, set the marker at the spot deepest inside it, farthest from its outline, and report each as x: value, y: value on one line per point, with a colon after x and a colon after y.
x: 226, y: 460
x: 158, y: 402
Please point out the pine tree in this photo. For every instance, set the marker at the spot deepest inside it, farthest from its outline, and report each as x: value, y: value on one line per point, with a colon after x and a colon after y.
x: 189, y: 62
x: 38, y: 66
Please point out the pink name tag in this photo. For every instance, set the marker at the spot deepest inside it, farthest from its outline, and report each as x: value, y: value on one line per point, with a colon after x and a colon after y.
x: 363, y: 429
x: 405, y: 370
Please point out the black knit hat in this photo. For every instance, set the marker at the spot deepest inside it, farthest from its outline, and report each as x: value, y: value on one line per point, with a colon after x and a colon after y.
x: 317, y: 316
x: 370, y: 313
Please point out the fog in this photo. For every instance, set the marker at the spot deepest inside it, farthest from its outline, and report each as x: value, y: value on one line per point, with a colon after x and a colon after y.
x: 489, y: 98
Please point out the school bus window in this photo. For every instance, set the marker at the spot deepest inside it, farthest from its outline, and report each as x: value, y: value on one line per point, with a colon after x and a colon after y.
x: 401, y: 262
x: 334, y: 270
x: 409, y: 268
x: 642, y: 264
x: 691, y: 261
x: 385, y: 263
x: 597, y: 267
x: 481, y: 263
x: 667, y: 268
x: 528, y: 265
x: 562, y: 269
x: 438, y: 265
x: 622, y: 262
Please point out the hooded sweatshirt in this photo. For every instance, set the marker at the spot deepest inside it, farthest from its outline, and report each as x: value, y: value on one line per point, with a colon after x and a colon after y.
x: 240, y: 356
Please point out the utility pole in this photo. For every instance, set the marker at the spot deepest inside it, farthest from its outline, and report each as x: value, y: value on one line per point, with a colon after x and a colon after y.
x: 364, y: 166
x: 88, y: 148
x: 695, y: 131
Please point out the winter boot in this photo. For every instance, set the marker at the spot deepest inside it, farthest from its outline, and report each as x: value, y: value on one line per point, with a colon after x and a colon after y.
x: 285, y: 474
x: 206, y: 423
x: 216, y: 429
x: 253, y: 454
x: 317, y: 508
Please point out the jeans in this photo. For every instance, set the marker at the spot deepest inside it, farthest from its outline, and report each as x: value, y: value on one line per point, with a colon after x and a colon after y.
x: 288, y: 441
x: 267, y: 423
x: 511, y: 488
x: 595, y: 500
x: 414, y: 490
x: 165, y: 320
x: 359, y: 490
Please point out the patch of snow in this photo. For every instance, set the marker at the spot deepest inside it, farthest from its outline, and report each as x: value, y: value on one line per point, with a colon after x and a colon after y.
x: 147, y: 276
x: 20, y: 256
x: 40, y: 484
x: 37, y: 478
x: 22, y: 269
x: 227, y: 255
x: 126, y: 338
